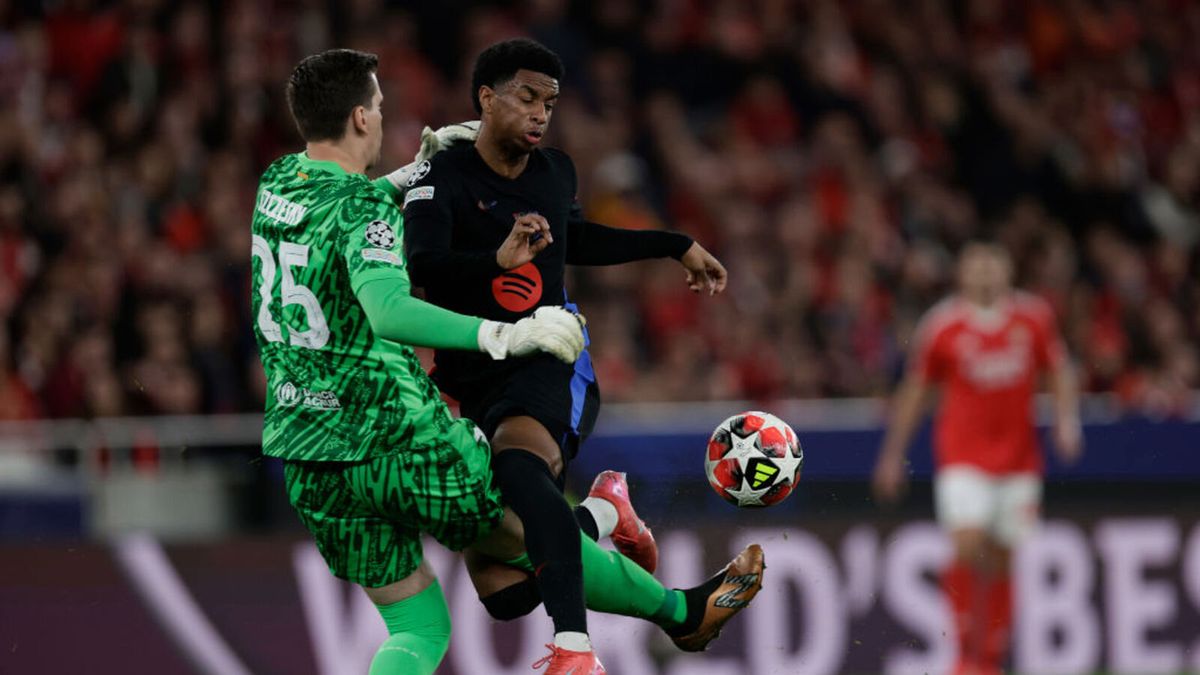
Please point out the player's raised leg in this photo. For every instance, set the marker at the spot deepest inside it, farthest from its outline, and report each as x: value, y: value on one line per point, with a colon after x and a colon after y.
x: 509, y: 592
x: 693, y: 617
x: 614, y: 584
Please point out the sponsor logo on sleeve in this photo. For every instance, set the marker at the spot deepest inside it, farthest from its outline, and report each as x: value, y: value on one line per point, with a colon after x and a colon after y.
x: 382, y: 255
x: 418, y: 193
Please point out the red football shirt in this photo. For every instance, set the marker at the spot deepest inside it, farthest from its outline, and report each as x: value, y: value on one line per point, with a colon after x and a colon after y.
x: 987, y: 362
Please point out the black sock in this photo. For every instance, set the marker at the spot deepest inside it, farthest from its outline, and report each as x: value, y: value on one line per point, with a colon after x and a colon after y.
x: 587, y: 522
x: 696, y: 600
x: 551, y: 535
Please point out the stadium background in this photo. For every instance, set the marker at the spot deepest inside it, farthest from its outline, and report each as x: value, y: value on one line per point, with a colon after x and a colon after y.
x: 832, y: 154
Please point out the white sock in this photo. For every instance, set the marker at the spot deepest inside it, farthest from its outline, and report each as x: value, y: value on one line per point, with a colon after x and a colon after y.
x: 603, y: 512
x: 573, y: 641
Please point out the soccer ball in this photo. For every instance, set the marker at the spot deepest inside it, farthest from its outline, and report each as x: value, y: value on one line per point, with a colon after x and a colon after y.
x: 753, y: 459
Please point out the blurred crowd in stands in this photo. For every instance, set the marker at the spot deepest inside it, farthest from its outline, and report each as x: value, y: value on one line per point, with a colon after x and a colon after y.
x: 835, y: 155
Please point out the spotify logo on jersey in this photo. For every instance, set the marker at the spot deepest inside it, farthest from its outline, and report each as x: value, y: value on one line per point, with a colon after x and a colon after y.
x: 518, y: 289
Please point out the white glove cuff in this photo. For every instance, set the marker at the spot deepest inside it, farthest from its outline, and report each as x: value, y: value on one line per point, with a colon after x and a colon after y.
x: 399, y: 177
x: 493, y: 338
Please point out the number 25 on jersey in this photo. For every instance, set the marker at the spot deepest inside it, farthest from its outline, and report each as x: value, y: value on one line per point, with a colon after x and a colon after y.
x: 290, y: 255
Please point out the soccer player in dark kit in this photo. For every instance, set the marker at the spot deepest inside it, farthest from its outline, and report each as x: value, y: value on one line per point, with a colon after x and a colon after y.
x: 459, y: 208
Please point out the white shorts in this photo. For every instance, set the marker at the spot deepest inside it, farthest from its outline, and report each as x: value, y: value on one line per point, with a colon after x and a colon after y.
x: 1005, y: 506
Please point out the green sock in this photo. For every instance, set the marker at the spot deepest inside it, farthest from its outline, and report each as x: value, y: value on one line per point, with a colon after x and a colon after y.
x: 615, y: 584
x: 420, y: 634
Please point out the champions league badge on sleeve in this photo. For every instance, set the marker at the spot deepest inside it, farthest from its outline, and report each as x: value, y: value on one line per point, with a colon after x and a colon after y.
x: 420, y: 172
x: 380, y: 234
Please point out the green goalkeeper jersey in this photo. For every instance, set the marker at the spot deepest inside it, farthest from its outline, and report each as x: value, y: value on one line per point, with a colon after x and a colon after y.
x: 335, y: 391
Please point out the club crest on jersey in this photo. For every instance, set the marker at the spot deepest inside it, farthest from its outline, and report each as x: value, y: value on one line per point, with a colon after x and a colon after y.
x: 380, y: 234
x: 418, y: 173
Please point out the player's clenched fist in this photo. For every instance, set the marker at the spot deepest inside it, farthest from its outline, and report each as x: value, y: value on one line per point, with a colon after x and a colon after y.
x: 553, y: 330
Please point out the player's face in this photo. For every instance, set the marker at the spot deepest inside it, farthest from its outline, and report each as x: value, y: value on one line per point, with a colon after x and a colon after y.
x: 984, y: 274
x: 374, y: 124
x: 519, y: 111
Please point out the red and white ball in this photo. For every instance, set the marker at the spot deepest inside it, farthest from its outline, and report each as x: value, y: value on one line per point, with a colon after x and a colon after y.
x: 754, y: 459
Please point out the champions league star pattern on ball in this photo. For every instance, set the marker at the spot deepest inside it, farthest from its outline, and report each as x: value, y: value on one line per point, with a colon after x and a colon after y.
x: 754, y: 459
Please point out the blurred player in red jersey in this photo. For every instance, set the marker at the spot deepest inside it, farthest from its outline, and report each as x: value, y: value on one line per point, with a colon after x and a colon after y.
x: 985, y: 347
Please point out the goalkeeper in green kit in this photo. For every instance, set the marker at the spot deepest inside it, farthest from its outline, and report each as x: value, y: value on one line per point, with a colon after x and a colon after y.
x: 372, y: 456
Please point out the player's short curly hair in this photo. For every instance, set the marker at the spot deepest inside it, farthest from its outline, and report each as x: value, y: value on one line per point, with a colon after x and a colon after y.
x: 324, y: 88
x: 498, y: 63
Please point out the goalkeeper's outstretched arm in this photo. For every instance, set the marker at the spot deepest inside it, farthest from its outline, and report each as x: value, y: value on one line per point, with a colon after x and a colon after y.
x: 396, y: 315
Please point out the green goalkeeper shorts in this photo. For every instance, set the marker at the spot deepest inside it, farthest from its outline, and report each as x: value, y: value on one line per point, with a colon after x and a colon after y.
x: 368, y: 517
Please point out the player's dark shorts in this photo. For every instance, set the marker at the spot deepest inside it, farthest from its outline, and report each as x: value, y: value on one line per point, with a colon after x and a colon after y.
x: 367, y: 517
x: 564, y: 398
